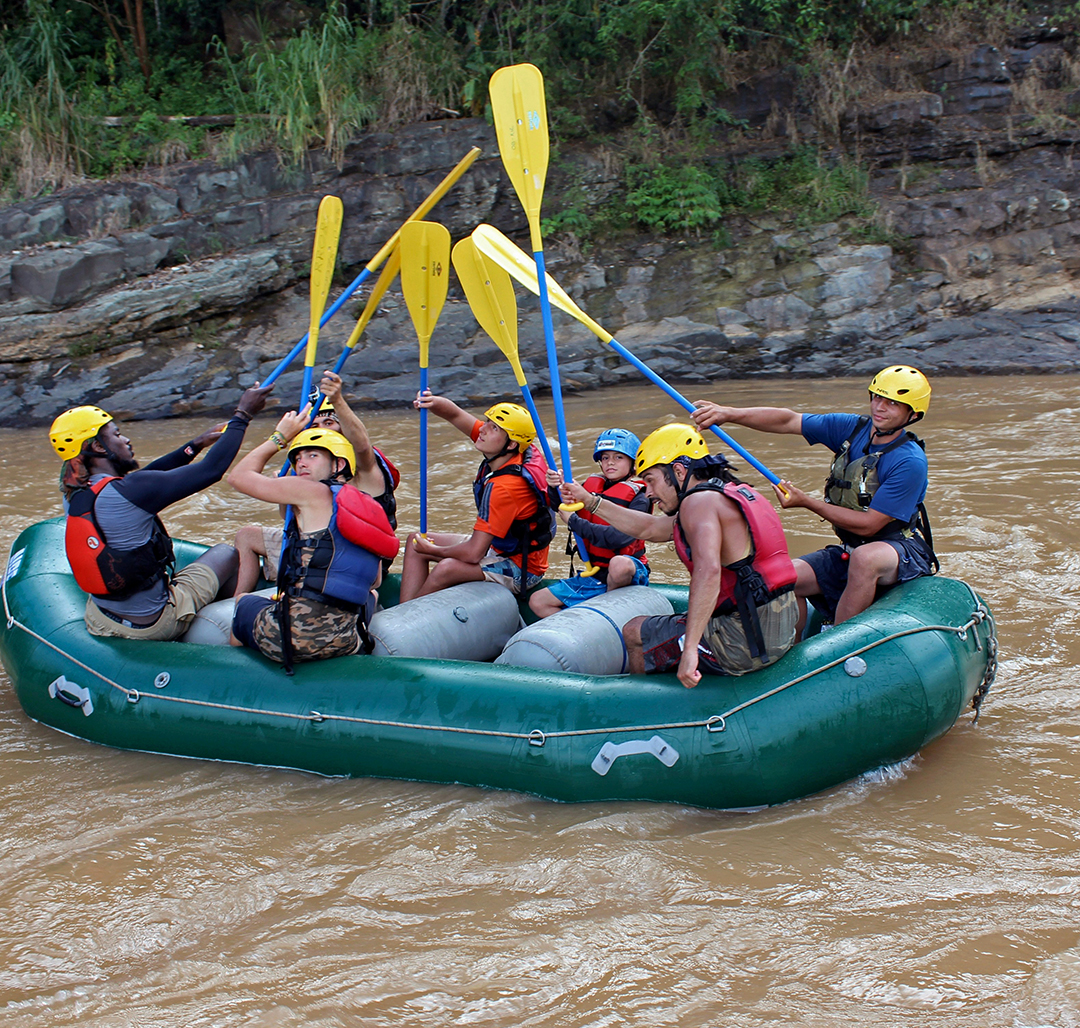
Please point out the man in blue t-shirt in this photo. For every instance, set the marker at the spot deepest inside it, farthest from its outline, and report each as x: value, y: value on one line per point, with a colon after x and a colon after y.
x: 873, y: 497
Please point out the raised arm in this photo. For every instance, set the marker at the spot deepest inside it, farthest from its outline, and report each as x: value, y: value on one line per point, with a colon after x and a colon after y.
x: 778, y: 420
x: 352, y: 428
x: 248, y: 478
x: 153, y: 489
x: 446, y: 409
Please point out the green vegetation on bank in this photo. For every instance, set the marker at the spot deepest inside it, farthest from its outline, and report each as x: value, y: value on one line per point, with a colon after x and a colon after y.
x: 94, y: 88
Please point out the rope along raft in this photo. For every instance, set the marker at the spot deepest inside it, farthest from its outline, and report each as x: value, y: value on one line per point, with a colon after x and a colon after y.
x: 537, y: 736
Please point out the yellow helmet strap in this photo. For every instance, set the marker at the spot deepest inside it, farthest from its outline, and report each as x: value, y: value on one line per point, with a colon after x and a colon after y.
x: 913, y: 415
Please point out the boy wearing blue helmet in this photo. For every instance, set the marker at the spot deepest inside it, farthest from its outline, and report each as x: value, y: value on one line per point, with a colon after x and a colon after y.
x: 620, y: 557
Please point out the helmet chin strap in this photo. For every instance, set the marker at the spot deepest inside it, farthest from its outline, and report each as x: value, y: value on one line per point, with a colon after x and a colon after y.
x: 875, y: 431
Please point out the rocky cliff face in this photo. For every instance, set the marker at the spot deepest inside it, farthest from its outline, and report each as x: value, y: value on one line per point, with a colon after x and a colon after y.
x: 160, y: 296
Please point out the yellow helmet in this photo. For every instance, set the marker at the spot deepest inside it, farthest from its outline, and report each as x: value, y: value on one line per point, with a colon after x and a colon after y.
x: 326, y: 408
x: 324, y: 439
x: 667, y: 444
x: 515, y: 421
x: 71, y: 430
x: 905, y: 385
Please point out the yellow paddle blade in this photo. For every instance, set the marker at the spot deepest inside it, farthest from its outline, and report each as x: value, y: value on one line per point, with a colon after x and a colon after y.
x: 384, y: 281
x: 323, y: 256
x: 424, y: 209
x: 520, y: 112
x: 512, y: 259
x: 425, y: 275
x: 491, y: 296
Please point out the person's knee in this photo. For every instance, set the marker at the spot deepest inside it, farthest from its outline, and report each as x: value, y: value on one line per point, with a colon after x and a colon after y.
x: 448, y: 572
x: 620, y: 572
x: 806, y: 583
x: 222, y: 558
x: 249, y: 538
x: 632, y: 633
x: 540, y: 601
x: 876, y: 561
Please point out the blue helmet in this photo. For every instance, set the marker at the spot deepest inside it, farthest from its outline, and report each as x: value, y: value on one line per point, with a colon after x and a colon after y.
x: 618, y: 439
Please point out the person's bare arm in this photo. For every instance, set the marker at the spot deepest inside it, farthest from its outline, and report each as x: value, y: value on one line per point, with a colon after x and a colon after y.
x: 248, y: 478
x: 446, y: 409
x: 861, y: 522
x: 352, y: 428
x: 636, y: 523
x: 469, y: 551
x: 701, y: 526
x: 778, y: 420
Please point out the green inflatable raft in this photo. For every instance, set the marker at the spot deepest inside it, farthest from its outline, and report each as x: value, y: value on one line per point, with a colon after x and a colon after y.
x: 870, y: 692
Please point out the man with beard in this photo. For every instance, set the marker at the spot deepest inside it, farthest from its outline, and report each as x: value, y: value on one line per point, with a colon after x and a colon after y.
x: 116, y: 544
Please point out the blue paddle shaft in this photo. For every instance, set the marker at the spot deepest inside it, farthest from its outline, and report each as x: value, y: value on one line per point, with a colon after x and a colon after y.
x: 548, y: 456
x: 678, y: 397
x: 553, y: 366
x: 295, y: 352
x: 423, y: 454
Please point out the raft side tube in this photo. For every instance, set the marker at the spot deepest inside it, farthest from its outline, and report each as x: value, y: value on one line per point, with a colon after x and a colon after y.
x: 453, y: 721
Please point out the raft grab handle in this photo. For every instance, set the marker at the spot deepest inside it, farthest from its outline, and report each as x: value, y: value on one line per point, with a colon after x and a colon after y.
x: 611, y: 751
x: 71, y: 694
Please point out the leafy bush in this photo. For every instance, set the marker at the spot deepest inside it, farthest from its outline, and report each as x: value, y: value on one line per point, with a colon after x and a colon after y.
x: 673, y: 198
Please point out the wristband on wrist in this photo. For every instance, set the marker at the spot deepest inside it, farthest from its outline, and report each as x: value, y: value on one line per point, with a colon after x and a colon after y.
x: 278, y: 440
x: 242, y: 415
x: 596, y: 503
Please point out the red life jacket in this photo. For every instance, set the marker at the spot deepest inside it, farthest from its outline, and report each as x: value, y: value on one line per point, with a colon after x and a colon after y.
x: 99, y: 568
x: 623, y: 494
x: 765, y: 573
x: 362, y: 520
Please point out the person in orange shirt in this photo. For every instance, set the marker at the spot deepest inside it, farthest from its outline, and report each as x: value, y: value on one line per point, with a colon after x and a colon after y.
x: 513, y: 515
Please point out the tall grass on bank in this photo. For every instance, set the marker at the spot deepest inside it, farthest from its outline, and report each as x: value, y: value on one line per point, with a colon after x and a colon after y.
x: 317, y: 87
x: 42, y: 137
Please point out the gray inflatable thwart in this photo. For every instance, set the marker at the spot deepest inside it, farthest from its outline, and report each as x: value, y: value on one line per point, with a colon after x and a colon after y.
x: 586, y: 639
x: 471, y: 621
x: 212, y: 626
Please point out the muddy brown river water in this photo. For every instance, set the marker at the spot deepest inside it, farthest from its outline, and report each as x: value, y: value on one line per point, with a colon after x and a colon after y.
x: 149, y: 891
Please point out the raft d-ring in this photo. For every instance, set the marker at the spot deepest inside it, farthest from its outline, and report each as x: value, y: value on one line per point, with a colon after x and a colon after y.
x: 962, y: 635
x: 537, y: 738
x: 162, y: 680
x: 716, y: 724
x: 133, y: 696
x: 316, y: 717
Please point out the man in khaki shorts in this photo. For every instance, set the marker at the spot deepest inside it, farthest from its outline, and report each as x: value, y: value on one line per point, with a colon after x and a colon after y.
x: 741, y: 611
x: 117, y: 546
